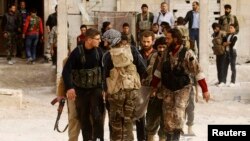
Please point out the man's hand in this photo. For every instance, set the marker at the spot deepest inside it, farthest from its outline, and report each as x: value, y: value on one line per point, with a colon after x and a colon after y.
x: 71, y: 94
x: 206, y: 96
x: 104, y: 96
x: 5, y: 35
x: 153, y: 93
x: 23, y: 36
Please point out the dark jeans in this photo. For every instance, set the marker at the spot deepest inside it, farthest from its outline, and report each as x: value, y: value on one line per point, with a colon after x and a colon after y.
x: 140, y: 129
x: 220, y: 64
x: 154, y: 117
x: 31, y: 43
x: 90, y: 110
x: 231, y: 60
x: 194, y: 36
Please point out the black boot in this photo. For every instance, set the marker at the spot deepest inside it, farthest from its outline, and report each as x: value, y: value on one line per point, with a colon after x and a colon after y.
x: 173, y: 137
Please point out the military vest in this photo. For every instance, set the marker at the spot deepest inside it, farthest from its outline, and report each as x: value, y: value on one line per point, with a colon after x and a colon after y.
x: 174, y: 77
x: 87, y: 78
x: 226, y: 21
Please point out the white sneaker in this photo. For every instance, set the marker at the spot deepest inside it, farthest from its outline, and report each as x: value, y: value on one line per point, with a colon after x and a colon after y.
x: 231, y: 84
x: 10, y: 62
x: 29, y: 61
x: 222, y: 84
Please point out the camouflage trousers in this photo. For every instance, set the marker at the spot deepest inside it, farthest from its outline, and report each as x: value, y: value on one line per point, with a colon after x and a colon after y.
x: 122, y: 106
x: 47, y: 52
x: 174, y: 105
x: 154, y: 117
x: 10, y: 45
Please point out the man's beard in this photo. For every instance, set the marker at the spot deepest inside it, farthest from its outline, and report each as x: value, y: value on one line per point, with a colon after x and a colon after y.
x: 146, y: 48
x: 172, y: 46
x: 227, y: 13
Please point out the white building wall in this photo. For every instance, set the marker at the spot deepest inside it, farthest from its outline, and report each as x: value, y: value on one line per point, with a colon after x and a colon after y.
x: 135, y: 5
x: 178, y: 7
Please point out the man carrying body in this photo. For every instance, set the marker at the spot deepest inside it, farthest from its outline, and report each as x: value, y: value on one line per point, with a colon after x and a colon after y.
x: 152, y: 58
x: 123, y: 68
x: 178, y: 64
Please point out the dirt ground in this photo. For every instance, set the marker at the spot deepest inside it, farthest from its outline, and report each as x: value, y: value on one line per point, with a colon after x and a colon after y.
x: 34, y: 121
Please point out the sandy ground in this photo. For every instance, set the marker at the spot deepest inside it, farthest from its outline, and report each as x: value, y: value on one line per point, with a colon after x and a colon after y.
x: 34, y: 121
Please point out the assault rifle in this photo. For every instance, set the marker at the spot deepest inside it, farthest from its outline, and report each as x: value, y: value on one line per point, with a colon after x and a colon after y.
x: 61, y: 101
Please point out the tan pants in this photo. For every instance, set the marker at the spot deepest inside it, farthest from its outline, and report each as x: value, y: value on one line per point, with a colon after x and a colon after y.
x: 74, y: 125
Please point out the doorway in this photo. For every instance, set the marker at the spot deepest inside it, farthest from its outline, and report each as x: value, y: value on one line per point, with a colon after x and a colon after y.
x: 37, y: 4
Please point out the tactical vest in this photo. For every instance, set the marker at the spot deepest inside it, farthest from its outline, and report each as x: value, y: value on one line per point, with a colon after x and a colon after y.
x: 145, y: 24
x: 124, y: 75
x: 174, y: 77
x: 226, y: 23
x: 87, y: 78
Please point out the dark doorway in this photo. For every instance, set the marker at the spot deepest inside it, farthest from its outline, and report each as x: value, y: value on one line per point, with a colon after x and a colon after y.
x: 37, y: 4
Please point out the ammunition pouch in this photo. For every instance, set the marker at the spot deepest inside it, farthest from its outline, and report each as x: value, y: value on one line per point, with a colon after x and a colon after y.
x: 87, y: 78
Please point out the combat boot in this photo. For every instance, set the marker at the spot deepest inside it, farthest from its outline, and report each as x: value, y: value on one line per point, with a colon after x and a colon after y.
x: 150, y: 138
x: 190, y: 131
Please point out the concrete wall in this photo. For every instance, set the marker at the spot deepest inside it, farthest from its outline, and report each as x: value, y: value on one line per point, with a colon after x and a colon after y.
x: 135, y: 5
x: 239, y: 8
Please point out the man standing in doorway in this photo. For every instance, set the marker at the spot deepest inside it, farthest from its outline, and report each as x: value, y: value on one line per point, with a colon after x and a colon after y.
x: 50, y: 23
x: 9, y: 28
x: 193, y: 19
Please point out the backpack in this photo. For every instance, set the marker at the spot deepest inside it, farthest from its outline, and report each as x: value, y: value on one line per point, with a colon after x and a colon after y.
x: 124, y: 75
x: 33, y: 23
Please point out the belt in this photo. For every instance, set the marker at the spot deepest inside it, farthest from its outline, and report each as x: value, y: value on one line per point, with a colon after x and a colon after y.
x: 194, y: 28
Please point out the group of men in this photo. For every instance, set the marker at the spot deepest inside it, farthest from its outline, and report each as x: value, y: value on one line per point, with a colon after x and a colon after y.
x: 21, y: 32
x: 224, y: 46
x: 116, y: 75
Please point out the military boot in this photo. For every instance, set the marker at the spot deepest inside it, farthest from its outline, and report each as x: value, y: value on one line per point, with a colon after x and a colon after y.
x: 173, y: 137
x: 150, y: 138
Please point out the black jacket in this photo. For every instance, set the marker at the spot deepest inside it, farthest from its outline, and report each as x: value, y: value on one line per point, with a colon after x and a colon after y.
x: 9, y: 23
x: 189, y: 19
x: 52, y: 20
x: 74, y: 63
